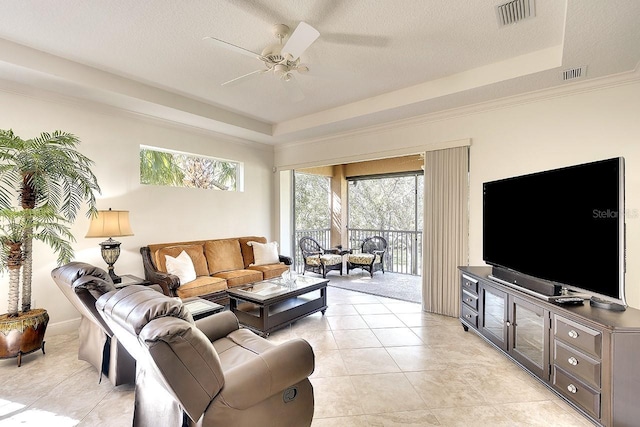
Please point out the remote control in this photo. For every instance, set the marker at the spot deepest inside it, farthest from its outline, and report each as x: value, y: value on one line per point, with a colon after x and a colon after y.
x: 570, y: 300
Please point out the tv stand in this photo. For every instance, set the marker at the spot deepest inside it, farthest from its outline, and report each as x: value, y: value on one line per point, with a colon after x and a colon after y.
x: 606, y: 305
x: 585, y: 354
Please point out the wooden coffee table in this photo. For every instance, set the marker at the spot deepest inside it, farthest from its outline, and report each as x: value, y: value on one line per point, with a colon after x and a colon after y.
x: 272, y: 304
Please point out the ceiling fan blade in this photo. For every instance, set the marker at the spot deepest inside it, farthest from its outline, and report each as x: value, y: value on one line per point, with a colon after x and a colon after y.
x: 300, y: 40
x: 233, y: 47
x: 244, y: 76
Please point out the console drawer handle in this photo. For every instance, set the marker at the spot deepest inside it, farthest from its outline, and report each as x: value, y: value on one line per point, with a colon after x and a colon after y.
x: 573, y: 361
x: 468, y: 316
x: 572, y: 388
x: 468, y: 299
x: 572, y: 334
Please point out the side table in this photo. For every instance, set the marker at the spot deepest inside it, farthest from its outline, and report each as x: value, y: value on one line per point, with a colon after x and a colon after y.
x: 130, y: 279
x: 200, y: 307
x: 338, y: 250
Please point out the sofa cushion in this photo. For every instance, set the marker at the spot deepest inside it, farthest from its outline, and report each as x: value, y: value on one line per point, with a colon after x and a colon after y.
x: 330, y: 259
x: 363, y: 258
x: 203, y: 285
x: 195, y: 252
x: 264, y: 253
x: 270, y: 271
x: 223, y: 255
x: 247, y: 251
x: 313, y: 260
x: 239, y: 277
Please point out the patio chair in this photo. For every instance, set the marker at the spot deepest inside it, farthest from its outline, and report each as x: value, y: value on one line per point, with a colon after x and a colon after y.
x: 317, y: 259
x: 371, y: 256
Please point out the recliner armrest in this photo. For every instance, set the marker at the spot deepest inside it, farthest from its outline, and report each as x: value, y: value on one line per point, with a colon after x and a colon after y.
x: 218, y: 325
x: 272, y: 372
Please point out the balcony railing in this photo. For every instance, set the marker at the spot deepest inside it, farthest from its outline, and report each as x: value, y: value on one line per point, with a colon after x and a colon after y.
x: 404, y: 251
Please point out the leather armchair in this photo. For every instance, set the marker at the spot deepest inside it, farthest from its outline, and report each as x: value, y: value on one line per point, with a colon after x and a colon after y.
x: 210, y: 372
x: 82, y: 284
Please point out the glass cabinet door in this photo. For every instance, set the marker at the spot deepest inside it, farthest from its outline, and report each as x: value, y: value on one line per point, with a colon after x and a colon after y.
x: 529, y: 327
x: 494, y: 316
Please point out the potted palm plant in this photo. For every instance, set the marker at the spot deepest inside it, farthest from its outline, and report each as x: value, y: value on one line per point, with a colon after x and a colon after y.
x: 49, y: 180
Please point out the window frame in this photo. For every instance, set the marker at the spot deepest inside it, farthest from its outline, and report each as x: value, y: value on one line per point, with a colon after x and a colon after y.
x: 239, y: 168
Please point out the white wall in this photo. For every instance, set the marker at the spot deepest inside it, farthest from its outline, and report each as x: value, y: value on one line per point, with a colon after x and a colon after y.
x: 526, y: 134
x: 519, y: 136
x: 158, y: 214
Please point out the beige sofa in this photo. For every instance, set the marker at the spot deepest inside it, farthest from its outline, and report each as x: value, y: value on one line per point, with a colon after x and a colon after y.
x: 219, y: 264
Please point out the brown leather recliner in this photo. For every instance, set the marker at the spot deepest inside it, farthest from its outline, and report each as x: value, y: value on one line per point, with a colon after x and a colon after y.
x: 83, y: 284
x: 210, y: 372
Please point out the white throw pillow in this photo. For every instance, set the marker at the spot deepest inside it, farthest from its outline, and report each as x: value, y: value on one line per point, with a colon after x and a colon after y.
x: 181, y: 266
x: 264, y: 253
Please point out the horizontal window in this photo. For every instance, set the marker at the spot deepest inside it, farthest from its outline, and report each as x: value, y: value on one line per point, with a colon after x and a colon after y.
x: 175, y: 169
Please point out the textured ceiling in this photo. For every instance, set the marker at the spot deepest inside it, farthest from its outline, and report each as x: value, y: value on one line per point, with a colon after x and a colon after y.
x: 374, y: 61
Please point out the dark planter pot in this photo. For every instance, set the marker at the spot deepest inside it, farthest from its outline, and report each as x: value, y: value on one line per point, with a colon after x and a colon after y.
x: 23, y: 334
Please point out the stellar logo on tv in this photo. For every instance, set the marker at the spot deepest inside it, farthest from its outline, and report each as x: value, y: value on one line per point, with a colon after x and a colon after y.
x: 608, y: 214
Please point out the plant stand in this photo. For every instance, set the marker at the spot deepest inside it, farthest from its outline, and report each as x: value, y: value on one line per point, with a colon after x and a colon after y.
x: 23, y: 334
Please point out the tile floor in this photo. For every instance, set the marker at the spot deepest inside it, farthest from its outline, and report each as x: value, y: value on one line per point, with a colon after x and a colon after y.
x: 379, y: 362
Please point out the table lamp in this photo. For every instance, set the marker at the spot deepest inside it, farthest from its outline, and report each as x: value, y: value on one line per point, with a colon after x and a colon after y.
x: 110, y: 224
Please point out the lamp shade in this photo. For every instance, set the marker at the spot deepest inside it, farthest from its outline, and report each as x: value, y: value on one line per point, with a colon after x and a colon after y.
x: 110, y: 224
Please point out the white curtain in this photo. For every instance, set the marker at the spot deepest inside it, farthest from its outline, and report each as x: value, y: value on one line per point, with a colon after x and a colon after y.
x: 446, y: 228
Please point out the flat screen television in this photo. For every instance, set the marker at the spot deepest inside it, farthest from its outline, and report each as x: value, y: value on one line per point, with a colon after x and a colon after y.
x: 564, y: 226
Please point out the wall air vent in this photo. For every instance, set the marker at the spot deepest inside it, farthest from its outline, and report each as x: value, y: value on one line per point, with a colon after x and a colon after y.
x: 574, y: 73
x: 515, y: 11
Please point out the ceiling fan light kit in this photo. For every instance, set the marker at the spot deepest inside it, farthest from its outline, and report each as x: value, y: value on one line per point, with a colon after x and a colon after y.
x: 276, y: 57
x: 280, y: 31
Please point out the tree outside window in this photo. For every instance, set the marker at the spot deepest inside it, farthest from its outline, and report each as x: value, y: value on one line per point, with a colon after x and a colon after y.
x: 312, y: 207
x: 386, y: 203
x: 174, y: 169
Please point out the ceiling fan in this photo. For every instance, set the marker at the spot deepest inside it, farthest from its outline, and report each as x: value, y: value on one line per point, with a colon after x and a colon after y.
x: 280, y: 59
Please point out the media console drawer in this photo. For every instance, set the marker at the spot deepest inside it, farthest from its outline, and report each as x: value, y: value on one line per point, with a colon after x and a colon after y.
x: 577, y: 363
x: 577, y: 335
x: 470, y: 300
x: 469, y: 284
x: 576, y: 391
x: 470, y: 316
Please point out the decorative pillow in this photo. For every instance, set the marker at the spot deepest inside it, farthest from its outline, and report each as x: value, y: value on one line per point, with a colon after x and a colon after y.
x: 181, y: 266
x: 265, y: 253
x: 196, y: 252
x: 247, y: 251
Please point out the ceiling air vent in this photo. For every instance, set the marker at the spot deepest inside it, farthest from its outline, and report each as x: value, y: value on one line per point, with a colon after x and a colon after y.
x: 574, y: 73
x: 515, y: 11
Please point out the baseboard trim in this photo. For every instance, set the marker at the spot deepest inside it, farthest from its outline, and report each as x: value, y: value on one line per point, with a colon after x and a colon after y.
x: 64, y: 327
